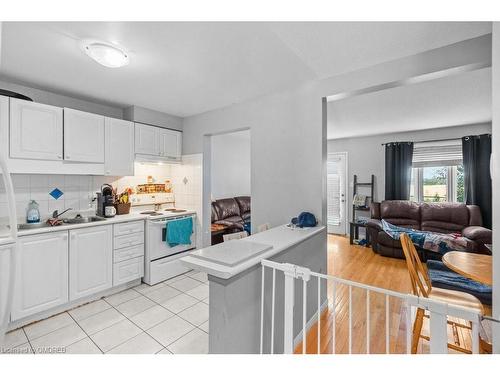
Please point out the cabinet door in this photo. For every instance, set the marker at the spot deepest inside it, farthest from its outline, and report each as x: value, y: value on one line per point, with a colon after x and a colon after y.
x: 119, y: 147
x: 147, y: 139
x: 170, y: 143
x: 41, y: 274
x: 83, y: 136
x: 36, y: 131
x: 90, y: 260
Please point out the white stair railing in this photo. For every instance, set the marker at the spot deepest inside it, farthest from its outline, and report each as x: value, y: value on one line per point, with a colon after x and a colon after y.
x: 438, y: 312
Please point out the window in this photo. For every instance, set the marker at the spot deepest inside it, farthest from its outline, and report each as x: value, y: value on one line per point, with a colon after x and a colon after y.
x: 437, y: 184
x: 438, y: 172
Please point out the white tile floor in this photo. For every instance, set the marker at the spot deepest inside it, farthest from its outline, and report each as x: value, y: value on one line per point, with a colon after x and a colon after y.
x: 170, y: 317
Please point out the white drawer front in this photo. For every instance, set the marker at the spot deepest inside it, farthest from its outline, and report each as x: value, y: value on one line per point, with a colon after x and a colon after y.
x: 128, y: 270
x: 128, y: 240
x: 128, y: 228
x: 128, y: 253
x: 163, y: 269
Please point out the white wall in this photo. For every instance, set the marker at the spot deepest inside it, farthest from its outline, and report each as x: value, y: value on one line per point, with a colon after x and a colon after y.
x: 366, y: 155
x: 149, y: 116
x: 495, y: 181
x: 230, y: 170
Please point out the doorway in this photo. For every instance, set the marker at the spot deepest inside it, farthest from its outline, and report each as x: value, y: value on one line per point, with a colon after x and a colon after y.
x: 337, y: 193
x: 229, y: 185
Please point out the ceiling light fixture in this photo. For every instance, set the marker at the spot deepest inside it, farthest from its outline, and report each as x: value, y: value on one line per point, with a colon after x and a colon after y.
x: 106, y: 54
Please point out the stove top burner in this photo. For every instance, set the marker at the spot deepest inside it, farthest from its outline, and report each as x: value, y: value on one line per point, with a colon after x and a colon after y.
x: 152, y: 213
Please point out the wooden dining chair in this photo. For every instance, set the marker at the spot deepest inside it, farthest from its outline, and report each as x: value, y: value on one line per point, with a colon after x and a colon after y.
x: 235, y: 236
x: 263, y: 227
x: 422, y: 287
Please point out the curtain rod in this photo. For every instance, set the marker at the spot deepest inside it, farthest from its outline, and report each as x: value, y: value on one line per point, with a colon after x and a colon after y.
x: 429, y: 140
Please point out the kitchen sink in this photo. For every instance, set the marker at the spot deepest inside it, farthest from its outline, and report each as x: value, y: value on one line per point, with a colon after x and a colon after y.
x: 27, y: 226
x: 83, y: 220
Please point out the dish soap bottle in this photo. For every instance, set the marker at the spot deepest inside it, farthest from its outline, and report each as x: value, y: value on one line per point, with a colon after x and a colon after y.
x: 33, y: 213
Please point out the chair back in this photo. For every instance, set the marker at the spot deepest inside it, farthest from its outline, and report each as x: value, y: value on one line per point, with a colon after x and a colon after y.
x: 235, y: 236
x: 420, y: 281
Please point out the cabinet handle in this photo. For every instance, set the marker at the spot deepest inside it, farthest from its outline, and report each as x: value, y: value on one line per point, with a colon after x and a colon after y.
x: 59, y: 156
x: 67, y: 157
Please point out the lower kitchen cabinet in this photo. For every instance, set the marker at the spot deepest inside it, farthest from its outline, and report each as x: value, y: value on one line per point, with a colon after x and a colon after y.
x: 41, y: 274
x: 90, y: 260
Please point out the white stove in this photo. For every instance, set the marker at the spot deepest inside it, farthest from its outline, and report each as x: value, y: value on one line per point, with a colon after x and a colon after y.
x: 161, y: 259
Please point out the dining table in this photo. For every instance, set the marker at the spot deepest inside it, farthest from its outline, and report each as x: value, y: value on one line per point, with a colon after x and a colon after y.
x: 477, y: 267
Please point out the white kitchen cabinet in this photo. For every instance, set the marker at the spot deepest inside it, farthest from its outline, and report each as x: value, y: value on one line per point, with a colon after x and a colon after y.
x: 170, y: 144
x: 119, y: 147
x: 90, y: 260
x: 147, y: 139
x: 41, y: 274
x: 36, y: 131
x: 83, y: 136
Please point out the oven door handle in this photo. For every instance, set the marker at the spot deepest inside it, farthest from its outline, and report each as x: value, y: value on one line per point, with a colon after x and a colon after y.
x: 163, y: 222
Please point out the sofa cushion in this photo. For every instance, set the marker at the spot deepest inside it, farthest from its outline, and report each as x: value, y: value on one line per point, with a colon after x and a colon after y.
x: 243, y: 204
x: 215, y: 215
x: 401, y: 213
x: 226, y: 208
x: 444, y: 217
x: 480, y: 234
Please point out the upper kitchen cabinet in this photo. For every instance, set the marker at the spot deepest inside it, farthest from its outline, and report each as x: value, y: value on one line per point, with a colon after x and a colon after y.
x: 147, y: 139
x: 170, y: 144
x: 119, y: 147
x: 83, y: 136
x: 36, y: 131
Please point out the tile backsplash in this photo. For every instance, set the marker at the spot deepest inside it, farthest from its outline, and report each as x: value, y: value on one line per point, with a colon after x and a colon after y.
x: 77, y: 190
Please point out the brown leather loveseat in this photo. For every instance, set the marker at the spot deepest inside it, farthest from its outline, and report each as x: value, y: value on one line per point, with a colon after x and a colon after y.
x: 231, y: 212
x: 433, y: 217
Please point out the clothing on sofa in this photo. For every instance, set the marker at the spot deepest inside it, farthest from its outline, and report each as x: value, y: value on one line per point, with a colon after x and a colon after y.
x: 437, y: 242
x: 179, y: 232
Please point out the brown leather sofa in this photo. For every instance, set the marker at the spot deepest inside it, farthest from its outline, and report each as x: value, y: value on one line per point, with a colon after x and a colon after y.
x: 433, y: 217
x: 232, y: 212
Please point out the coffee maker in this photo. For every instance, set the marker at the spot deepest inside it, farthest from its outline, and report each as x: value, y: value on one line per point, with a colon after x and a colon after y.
x: 106, y: 202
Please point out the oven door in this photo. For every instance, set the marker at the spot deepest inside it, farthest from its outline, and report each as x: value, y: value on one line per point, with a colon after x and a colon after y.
x: 157, y: 247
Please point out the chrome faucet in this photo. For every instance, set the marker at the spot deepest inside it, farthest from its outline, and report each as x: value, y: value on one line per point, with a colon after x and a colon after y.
x: 56, y: 213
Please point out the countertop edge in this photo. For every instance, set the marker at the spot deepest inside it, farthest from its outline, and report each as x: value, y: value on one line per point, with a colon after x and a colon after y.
x: 109, y: 221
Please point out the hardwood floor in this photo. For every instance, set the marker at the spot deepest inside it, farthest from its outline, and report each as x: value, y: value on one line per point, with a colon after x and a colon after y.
x: 361, y: 264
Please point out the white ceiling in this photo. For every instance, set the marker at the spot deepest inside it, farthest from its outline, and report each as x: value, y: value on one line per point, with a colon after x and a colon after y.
x: 188, y: 68
x: 453, y: 100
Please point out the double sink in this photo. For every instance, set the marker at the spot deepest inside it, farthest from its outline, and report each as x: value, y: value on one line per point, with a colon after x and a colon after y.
x: 75, y: 220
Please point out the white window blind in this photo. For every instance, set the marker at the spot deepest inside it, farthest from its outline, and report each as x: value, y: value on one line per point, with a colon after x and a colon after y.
x: 333, y: 189
x: 437, y: 154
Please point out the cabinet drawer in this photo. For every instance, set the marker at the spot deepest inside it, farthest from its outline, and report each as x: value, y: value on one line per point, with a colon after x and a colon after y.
x: 128, y: 270
x: 128, y: 253
x: 163, y: 269
x: 128, y: 228
x: 128, y: 240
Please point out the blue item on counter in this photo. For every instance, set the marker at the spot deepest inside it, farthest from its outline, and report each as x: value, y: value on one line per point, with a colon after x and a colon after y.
x: 305, y: 219
x: 179, y: 232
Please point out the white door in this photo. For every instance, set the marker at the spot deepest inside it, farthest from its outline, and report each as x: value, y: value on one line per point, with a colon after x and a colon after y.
x: 36, y: 131
x: 147, y: 139
x: 83, y: 136
x: 119, y: 147
x: 41, y: 274
x: 90, y: 260
x: 337, y: 195
x: 170, y: 143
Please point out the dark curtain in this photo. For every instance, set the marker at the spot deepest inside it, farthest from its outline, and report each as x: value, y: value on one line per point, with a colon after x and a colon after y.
x: 477, y: 179
x: 398, y: 159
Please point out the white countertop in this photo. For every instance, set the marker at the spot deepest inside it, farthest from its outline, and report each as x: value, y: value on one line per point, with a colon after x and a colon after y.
x: 278, y: 239
x: 134, y: 216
